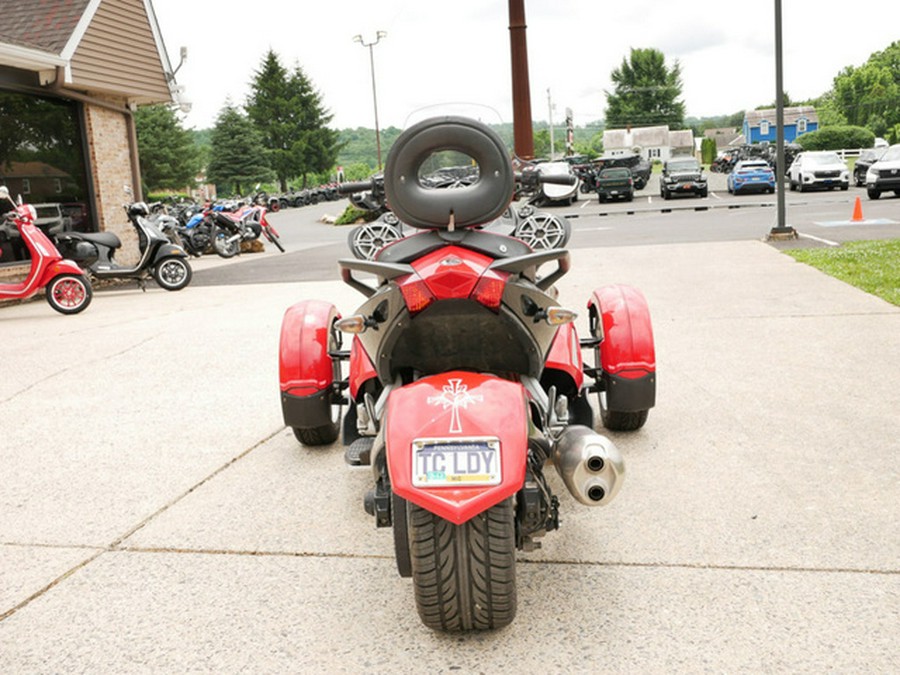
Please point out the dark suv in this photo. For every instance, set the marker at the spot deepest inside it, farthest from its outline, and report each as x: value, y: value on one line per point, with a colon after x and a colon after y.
x: 682, y: 175
x: 866, y: 159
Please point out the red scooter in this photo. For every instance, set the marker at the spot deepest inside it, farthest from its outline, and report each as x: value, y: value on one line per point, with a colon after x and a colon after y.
x: 68, y: 289
x: 465, y: 379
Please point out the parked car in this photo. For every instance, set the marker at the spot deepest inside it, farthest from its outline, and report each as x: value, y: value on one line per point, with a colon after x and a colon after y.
x: 884, y: 174
x: 640, y: 167
x: 682, y: 175
x: 751, y: 175
x: 866, y: 159
x: 615, y: 183
x: 819, y: 169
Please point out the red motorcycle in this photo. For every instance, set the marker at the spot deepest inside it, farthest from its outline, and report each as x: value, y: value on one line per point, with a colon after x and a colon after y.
x: 465, y: 379
x: 68, y: 289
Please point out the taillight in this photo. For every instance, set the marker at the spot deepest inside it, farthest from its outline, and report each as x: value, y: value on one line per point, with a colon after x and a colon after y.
x: 416, y: 294
x: 489, y: 289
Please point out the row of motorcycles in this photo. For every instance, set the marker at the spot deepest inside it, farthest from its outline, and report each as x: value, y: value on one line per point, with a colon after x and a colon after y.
x: 65, y: 263
x: 726, y: 159
x: 220, y: 227
x: 464, y: 379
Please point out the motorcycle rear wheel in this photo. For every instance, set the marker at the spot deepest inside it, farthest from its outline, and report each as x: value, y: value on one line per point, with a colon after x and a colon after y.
x: 464, y: 576
x: 223, y: 246
x: 173, y: 273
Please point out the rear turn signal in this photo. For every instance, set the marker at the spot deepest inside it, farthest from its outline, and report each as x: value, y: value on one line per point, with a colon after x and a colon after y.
x: 352, y: 324
x: 557, y: 316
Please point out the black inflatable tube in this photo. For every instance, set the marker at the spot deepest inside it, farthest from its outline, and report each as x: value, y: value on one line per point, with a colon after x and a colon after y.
x: 427, y: 208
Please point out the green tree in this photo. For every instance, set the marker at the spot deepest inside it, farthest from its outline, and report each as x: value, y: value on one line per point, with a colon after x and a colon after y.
x: 169, y: 157
x: 646, y: 92
x: 869, y: 95
x: 236, y: 156
x: 292, y: 120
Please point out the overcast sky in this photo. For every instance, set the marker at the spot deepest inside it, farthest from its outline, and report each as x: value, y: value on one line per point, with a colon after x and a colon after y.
x: 437, y: 52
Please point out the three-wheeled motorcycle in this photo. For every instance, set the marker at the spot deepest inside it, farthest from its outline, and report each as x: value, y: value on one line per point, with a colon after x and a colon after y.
x: 464, y: 379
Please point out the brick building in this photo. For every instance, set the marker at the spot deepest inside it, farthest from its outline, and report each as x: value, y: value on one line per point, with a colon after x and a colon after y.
x: 71, y: 74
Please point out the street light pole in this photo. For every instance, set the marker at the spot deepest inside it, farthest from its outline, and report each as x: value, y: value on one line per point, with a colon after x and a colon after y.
x: 781, y: 229
x: 358, y: 38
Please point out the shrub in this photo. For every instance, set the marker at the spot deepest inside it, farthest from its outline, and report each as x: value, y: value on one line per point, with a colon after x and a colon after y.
x: 837, y: 138
x: 708, y: 150
x: 353, y: 215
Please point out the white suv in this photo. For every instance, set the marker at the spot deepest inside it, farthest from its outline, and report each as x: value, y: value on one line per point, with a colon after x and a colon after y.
x: 821, y: 169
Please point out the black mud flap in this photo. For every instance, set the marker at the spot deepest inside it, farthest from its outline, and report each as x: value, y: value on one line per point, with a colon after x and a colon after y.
x: 629, y: 394
x: 306, y: 412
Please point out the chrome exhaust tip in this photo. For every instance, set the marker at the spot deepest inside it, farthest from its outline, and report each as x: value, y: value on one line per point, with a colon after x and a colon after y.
x: 590, y: 465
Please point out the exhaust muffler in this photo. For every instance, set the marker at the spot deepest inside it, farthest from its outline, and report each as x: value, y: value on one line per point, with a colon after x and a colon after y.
x: 590, y: 465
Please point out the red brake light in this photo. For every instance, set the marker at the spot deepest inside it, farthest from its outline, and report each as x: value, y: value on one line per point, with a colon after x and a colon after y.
x: 489, y: 289
x: 416, y: 294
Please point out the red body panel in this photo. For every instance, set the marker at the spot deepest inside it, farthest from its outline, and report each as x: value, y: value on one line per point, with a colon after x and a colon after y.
x: 361, y: 368
x: 457, y: 405
x: 305, y: 366
x: 565, y: 354
x: 627, y: 348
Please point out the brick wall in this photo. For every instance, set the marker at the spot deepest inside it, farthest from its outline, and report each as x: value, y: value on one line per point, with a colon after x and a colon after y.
x: 107, y: 138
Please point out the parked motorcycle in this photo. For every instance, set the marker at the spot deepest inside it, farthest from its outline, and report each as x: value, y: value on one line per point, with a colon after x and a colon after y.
x: 160, y: 259
x: 245, y: 223
x: 465, y: 379
x: 67, y: 288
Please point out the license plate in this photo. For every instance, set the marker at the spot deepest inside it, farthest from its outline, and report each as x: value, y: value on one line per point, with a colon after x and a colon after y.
x: 688, y: 186
x: 442, y: 462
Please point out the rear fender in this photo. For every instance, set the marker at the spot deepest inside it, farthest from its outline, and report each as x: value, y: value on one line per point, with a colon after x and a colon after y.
x: 451, y: 409
x: 620, y: 319
x: 306, y: 370
x: 565, y: 356
x: 361, y: 368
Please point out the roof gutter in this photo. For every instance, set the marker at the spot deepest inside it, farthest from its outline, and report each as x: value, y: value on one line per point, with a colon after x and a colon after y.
x: 26, y: 58
x: 57, y: 86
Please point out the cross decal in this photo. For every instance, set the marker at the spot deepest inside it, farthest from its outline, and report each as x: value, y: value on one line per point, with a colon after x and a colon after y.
x: 455, y: 395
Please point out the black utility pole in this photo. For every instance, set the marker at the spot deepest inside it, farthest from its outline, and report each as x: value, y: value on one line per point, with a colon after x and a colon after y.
x: 781, y: 229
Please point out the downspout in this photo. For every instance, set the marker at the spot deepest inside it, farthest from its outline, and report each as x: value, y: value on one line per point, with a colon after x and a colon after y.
x: 58, y: 88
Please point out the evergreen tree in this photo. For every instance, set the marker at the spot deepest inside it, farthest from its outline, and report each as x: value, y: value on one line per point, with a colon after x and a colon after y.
x: 236, y: 156
x: 646, y: 92
x: 292, y: 120
x: 169, y: 157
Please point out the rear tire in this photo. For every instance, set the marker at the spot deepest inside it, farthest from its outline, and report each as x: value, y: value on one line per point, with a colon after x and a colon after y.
x: 223, y: 247
x: 464, y: 576
x: 323, y: 435
x: 173, y: 273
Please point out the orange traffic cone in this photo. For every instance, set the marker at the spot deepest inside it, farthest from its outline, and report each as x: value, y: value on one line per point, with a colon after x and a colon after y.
x: 857, y: 212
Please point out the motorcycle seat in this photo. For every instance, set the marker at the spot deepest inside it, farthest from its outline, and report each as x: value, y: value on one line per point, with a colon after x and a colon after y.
x: 108, y: 239
x: 491, y: 244
x: 226, y: 218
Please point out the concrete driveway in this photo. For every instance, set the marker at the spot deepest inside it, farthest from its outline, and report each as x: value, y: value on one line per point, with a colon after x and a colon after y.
x: 155, y: 515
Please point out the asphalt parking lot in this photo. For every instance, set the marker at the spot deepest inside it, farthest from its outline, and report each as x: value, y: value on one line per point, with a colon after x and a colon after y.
x: 155, y: 515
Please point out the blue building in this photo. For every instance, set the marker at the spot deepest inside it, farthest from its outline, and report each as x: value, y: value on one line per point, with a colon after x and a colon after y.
x: 759, y: 125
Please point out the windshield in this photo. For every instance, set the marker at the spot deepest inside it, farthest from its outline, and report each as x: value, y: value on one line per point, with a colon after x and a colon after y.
x: 754, y: 165
x: 824, y: 158
x: 684, y: 165
x: 892, y: 154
